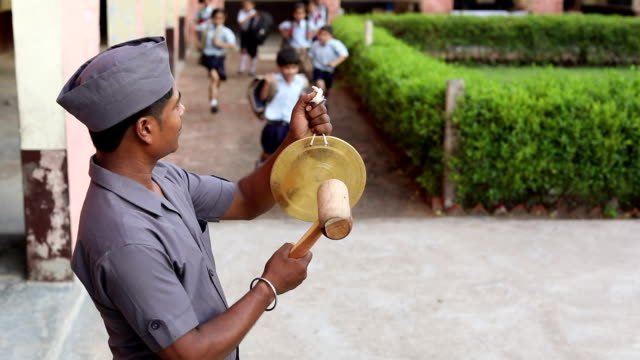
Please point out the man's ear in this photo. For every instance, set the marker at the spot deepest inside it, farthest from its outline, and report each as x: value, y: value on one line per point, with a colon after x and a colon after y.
x: 144, y: 129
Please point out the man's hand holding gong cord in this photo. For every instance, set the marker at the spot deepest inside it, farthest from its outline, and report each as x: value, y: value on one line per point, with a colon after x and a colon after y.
x: 309, y: 117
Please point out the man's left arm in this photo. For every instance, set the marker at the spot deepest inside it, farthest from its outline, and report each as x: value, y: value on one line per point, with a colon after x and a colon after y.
x: 253, y: 192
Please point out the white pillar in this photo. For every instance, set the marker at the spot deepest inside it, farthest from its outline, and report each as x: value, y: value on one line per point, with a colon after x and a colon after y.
x: 47, y: 170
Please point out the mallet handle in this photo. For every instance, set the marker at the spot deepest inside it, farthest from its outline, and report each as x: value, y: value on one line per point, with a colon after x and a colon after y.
x: 334, y: 217
x: 302, y: 247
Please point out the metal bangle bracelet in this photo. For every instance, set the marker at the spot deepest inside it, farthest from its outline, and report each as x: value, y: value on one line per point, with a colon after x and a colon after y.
x: 275, y: 294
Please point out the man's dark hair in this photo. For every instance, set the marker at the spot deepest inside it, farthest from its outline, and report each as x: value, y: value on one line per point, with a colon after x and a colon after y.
x: 288, y: 56
x: 327, y: 28
x: 217, y: 11
x: 109, y: 139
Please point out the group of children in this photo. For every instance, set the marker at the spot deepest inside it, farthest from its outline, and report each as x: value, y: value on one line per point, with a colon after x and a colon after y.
x: 308, y: 50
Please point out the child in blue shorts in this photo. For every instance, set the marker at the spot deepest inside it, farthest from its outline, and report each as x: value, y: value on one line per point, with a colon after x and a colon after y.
x: 326, y: 54
x: 288, y: 85
x: 216, y: 40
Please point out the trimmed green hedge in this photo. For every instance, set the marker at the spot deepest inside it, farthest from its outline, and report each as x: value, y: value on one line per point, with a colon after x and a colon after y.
x: 403, y: 89
x: 567, y: 39
x: 547, y: 138
x: 533, y: 139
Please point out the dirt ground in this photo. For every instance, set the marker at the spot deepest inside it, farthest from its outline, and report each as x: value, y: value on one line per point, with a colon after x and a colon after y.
x: 227, y: 143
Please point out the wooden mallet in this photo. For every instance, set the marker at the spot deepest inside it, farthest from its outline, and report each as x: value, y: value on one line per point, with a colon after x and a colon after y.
x: 334, y: 217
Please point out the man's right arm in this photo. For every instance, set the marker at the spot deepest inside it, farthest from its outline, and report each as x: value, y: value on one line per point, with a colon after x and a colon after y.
x: 216, y: 338
x: 140, y: 281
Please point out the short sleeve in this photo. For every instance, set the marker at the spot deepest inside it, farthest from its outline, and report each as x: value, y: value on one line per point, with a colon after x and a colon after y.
x: 142, y: 285
x: 230, y: 37
x: 211, y: 195
x: 340, y: 48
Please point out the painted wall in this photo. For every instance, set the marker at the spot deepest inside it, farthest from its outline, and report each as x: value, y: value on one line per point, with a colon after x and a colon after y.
x: 130, y: 19
x: 154, y: 17
x: 125, y: 20
x: 41, y: 119
x: 80, y: 42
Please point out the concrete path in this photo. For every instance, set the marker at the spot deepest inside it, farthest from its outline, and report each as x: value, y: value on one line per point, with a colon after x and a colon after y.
x: 447, y: 289
x: 397, y: 289
x: 404, y: 285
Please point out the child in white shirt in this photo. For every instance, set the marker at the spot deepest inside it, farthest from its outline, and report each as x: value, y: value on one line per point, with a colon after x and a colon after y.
x: 326, y: 54
x: 248, y: 42
x: 216, y: 40
x: 316, y: 15
x: 289, y: 85
x: 297, y: 33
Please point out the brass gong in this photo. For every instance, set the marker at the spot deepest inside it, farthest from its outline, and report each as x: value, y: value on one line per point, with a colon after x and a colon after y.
x: 302, y: 166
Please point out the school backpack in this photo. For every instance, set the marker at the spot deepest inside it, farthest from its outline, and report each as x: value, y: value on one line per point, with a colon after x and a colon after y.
x: 253, y: 93
x: 261, y: 26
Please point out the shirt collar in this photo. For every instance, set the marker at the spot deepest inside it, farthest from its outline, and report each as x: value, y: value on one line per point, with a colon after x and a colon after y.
x: 128, y: 189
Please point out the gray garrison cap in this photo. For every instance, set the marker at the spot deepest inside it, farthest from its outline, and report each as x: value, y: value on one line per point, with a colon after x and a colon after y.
x: 118, y: 83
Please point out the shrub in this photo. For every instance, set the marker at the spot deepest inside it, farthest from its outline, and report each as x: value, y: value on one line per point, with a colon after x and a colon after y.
x: 578, y: 139
x: 531, y: 138
x: 567, y: 39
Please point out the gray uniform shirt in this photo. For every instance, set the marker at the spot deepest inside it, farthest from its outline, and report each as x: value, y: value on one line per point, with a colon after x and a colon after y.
x: 146, y: 260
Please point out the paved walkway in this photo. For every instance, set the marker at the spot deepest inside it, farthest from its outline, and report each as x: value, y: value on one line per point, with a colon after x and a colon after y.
x: 403, y: 285
x: 440, y: 288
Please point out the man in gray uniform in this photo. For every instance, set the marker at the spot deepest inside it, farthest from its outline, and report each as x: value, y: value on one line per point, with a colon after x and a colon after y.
x: 143, y: 251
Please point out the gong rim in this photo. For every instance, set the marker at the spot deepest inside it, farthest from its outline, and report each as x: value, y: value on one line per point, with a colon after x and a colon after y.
x: 303, y: 165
